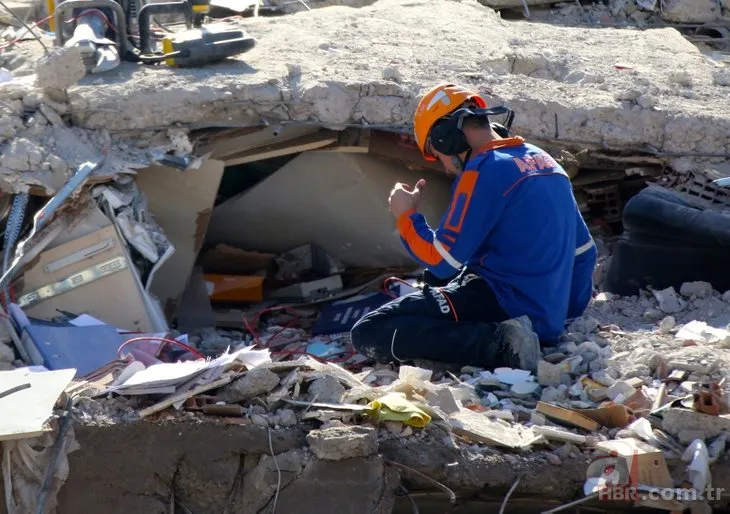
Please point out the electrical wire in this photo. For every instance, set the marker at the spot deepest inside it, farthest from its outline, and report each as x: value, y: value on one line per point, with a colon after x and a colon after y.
x: 350, y: 352
x: 386, y: 284
x: 257, y: 319
x: 14, y: 15
x: 13, y: 226
x: 164, y: 340
x: 20, y: 38
x: 278, y: 472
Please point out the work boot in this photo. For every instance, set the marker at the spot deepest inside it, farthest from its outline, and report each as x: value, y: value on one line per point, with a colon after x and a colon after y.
x: 518, y: 336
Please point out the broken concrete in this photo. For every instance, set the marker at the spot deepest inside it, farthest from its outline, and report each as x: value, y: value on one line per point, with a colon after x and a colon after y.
x: 326, y: 389
x: 681, y: 420
x: 563, y: 85
x: 254, y: 383
x: 213, y: 468
x: 696, y: 289
x: 60, y: 69
x: 697, y: 11
x: 337, y: 443
x: 568, y: 91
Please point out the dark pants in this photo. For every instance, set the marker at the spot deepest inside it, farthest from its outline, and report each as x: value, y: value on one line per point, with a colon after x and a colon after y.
x: 456, y: 324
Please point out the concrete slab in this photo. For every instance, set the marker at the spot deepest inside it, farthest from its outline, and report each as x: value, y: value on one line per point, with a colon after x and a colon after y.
x: 344, y: 66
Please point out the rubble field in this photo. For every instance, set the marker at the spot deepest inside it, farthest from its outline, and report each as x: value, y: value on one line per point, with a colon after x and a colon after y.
x: 143, y: 382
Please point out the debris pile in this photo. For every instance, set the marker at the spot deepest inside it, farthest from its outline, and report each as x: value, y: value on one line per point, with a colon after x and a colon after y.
x: 188, y: 247
x: 658, y: 386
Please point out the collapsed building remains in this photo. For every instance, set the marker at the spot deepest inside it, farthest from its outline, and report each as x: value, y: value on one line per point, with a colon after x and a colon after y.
x: 237, y: 212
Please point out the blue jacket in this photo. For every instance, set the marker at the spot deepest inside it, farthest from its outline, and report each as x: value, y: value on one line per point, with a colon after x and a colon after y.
x: 524, y: 236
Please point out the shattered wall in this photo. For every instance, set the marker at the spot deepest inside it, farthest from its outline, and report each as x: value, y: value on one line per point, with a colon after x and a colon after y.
x: 215, y: 468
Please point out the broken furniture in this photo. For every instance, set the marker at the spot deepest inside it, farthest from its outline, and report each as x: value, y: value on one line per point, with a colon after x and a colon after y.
x: 88, y: 269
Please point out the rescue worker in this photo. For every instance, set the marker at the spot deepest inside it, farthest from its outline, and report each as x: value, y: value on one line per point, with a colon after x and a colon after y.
x: 512, y: 241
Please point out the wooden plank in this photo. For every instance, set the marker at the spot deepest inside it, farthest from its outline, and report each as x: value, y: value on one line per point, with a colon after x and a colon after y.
x: 316, y: 141
x: 27, y: 410
x: 223, y: 146
x: 567, y: 416
x: 610, y: 416
x: 181, y: 397
x: 353, y: 140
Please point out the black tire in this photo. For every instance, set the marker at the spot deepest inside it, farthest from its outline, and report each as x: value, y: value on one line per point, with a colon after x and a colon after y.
x: 641, y: 260
x: 664, y: 214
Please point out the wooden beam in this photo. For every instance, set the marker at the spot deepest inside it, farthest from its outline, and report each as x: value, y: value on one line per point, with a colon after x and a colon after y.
x: 316, y: 141
x: 248, y: 139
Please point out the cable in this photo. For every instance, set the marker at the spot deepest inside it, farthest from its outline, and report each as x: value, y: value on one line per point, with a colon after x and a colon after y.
x: 13, y: 226
x: 36, y: 36
x: 164, y: 340
x: 509, y: 493
x: 96, y: 12
x: 53, y: 464
x: 278, y: 471
x: 20, y: 38
x: 386, y: 283
x: 257, y: 319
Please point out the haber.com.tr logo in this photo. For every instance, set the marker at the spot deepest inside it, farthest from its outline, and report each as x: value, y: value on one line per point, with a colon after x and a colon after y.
x: 614, y: 476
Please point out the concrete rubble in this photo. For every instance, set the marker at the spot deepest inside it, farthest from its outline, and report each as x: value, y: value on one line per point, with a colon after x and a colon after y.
x: 566, y: 90
x: 639, y: 374
x: 254, y: 418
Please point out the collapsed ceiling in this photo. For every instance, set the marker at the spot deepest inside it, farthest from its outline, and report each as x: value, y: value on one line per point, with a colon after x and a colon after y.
x: 644, y: 92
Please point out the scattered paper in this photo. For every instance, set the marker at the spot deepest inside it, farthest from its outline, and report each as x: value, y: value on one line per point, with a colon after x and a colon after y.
x: 702, y: 332
x: 182, y: 375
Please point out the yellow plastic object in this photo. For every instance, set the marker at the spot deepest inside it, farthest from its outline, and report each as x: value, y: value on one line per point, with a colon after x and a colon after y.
x: 395, y: 407
x: 235, y: 288
x: 50, y: 9
x: 168, y: 49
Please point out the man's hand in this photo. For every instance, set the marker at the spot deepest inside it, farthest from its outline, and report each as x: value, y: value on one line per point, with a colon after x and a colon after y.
x: 403, y: 198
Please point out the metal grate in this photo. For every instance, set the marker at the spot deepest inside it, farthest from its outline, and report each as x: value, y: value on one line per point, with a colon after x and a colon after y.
x: 605, y: 202
x: 699, y: 189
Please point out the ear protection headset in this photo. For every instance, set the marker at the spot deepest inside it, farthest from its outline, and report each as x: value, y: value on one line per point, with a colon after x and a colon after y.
x: 447, y: 136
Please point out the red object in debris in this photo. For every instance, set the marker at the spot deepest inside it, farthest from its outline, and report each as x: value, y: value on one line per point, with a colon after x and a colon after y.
x: 620, y: 66
x: 709, y: 400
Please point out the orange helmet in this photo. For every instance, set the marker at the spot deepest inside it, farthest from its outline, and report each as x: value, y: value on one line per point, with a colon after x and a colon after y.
x: 434, y: 105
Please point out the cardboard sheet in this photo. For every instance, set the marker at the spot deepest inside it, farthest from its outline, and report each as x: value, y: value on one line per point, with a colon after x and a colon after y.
x: 338, y: 201
x: 181, y: 203
x: 26, y: 411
